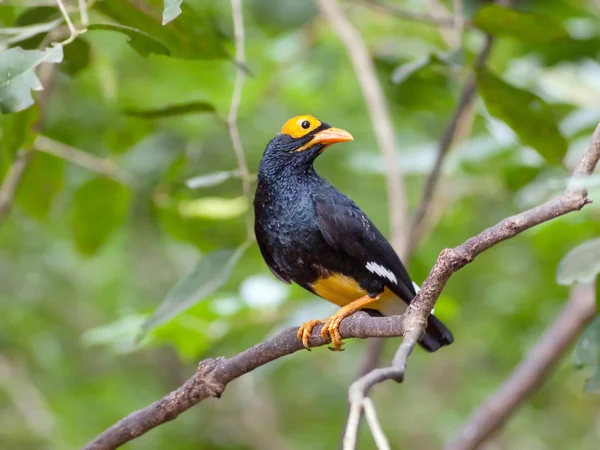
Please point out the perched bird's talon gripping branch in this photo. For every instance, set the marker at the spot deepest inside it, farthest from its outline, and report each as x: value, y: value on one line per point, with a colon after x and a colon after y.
x: 312, y: 234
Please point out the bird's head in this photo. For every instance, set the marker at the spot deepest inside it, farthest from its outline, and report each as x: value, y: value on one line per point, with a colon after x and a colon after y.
x: 301, y: 140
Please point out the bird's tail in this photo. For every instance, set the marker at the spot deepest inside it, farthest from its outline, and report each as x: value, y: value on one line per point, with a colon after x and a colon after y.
x: 436, y: 334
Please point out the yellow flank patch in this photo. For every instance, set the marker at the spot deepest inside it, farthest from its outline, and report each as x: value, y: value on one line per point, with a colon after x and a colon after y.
x: 338, y: 289
x: 341, y: 290
x: 294, y: 127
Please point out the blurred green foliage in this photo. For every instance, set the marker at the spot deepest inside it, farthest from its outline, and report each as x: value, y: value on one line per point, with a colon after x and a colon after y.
x: 85, y: 260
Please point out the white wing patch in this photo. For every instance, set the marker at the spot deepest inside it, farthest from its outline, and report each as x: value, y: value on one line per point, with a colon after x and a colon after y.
x: 377, y: 269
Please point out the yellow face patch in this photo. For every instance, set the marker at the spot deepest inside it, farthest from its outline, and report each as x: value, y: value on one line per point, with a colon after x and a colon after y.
x: 300, y: 126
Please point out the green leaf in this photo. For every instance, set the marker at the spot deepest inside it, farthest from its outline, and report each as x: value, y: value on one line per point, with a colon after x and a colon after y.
x: 527, y: 27
x: 530, y: 117
x: 16, y: 132
x: 435, y: 61
x: 17, y: 76
x: 172, y: 110
x: 567, y: 50
x: 119, y: 335
x: 587, y: 355
x: 211, y: 272
x: 141, y: 42
x: 171, y: 11
x: 100, y: 206
x: 77, y: 56
x: 193, y: 36
x: 42, y: 181
x: 281, y: 16
x: 581, y: 264
x: 37, y: 15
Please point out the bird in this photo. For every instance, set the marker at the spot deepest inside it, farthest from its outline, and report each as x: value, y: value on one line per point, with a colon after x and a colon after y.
x: 312, y: 234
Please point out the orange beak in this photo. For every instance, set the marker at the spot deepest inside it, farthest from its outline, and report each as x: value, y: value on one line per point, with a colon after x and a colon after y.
x: 328, y: 137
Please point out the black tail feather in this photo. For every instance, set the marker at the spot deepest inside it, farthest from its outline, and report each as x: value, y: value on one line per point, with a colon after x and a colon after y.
x: 436, y: 335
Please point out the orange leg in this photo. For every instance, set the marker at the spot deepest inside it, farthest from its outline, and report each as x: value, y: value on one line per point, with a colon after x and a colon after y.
x: 305, y: 330
x: 332, y: 324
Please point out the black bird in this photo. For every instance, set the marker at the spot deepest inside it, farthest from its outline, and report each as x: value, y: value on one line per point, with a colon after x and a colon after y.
x: 310, y: 233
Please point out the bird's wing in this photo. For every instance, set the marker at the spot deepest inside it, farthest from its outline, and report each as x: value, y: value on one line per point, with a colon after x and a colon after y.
x: 347, y: 229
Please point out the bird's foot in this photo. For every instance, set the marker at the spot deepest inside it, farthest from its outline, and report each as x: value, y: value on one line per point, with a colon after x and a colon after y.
x: 332, y: 328
x: 305, y: 330
x: 332, y: 325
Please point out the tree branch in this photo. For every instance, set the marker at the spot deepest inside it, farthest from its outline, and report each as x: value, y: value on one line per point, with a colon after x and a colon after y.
x: 531, y: 372
x: 213, y: 375
x: 466, y: 98
x: 83, y: 159
x: 12, y: 180
x: 452, y: 260
x: 386, y: 138
x: 236, y: 98
x: 380, y: 116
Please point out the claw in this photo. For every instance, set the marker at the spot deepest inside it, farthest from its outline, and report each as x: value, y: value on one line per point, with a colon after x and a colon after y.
x: 305, y: 330
x: 331, y: 328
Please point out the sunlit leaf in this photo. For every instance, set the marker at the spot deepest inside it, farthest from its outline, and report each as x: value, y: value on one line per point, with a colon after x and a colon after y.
x: 211, y: 272
x: 119, y: 335
x: 171, y: 11
x: 140, y: 41
x: 172, y: 110
x: 211, y: 179
x: 531, y: 118
x: 17, y: 76
x: 580, y: 265
x: 528, y: 27
x: 42, y: 181
x: 216, y: 208
x: 100, y: 206
x: 587, y: 355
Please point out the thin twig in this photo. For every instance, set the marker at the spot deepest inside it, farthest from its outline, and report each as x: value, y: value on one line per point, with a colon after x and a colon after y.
x: 73, y: 31
x: 11, y: 182
x: 459, y: 19
x: 238, y: 26
x: 403, y: 13
x: 83, y: 13
x: 531, y: 372
x: 380, y: 116
x: 213, y: 375
x: 466, y: 98
x: 381, y: 441
x: 83, y: 159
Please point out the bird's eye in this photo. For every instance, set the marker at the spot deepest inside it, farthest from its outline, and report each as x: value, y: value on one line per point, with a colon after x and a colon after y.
x: 306, y: 124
